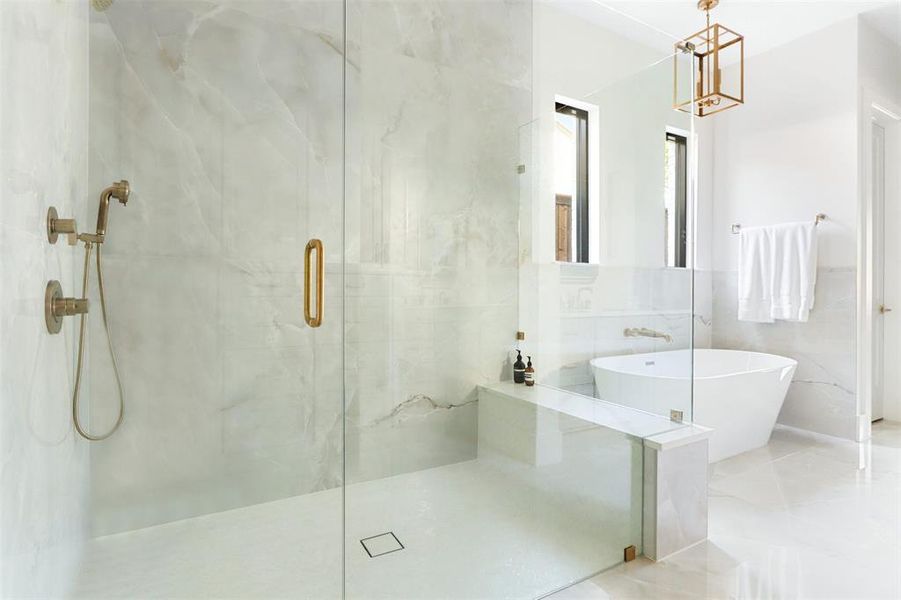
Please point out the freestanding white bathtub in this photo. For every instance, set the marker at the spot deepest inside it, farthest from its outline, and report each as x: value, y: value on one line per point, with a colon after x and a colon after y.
x: 738, y: 394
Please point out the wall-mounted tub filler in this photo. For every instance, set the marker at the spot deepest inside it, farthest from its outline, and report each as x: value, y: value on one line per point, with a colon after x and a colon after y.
x: 56, y: 306
x: 648, y: 333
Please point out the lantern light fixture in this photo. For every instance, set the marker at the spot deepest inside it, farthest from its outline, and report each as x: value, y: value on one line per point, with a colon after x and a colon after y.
x: 711, y: 49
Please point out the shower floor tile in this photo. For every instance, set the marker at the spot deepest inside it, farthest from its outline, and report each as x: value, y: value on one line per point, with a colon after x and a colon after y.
x: 469, y: 530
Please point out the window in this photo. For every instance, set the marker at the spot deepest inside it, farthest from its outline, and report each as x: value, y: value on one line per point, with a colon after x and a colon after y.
x: 571, y: 183
x: 675, y: 192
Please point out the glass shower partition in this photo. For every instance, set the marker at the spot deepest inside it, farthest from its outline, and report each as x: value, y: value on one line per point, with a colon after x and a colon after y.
x: 460, y: 484
x: 226, y: 476
x: 618, y: 324
x: 386, y: 155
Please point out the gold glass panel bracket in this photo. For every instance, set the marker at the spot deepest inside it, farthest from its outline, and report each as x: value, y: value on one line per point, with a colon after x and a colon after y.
x: 316, y: 245
x: 712, y: 49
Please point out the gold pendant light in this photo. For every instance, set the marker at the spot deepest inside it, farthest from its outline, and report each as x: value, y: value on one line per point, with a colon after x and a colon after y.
x: 711, y: 49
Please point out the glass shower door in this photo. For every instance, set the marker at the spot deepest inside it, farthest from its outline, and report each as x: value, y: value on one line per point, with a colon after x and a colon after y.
x: 226, y: 476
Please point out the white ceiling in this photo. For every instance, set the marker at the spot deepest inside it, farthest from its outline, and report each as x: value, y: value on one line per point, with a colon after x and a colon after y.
x: 765, y: 24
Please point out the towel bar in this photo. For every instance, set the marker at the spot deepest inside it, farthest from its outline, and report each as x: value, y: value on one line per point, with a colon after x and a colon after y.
x: 736, y: 227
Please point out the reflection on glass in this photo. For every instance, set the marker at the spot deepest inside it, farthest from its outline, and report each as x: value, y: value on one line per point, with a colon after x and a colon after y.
x: 571, y: 183
x: 675, y: 167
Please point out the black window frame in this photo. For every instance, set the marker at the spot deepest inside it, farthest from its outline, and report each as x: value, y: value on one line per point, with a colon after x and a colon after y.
x: 580, y: 202
x: 680, y: 260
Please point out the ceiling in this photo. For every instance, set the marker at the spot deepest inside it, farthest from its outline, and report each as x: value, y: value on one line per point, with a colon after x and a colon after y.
x: 765, y: 24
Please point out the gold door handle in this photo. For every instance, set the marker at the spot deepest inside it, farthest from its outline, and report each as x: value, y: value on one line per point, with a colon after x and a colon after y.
x: 313, y: 244
x: 884, y: 309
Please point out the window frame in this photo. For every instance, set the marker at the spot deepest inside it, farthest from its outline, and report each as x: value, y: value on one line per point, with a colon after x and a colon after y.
x: 581, y: 212
x: 680, y: 258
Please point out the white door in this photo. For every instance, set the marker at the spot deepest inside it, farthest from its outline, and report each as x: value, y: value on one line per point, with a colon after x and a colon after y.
x: 884, y: 188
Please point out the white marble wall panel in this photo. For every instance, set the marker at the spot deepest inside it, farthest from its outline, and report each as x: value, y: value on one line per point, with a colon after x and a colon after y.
x: 675, y: 498
x: 436, y: 93
x: 822, y: 396
x: 44, y: 472
x: 227, y: 119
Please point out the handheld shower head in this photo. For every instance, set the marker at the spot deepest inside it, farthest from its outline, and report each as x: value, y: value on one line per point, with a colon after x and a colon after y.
x: 120, y: 190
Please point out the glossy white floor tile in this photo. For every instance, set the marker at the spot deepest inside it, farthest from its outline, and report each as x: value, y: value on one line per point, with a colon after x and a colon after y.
x: 804, y: 517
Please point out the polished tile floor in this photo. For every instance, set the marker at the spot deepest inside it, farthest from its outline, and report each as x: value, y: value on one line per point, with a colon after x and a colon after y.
x: 806, y: 517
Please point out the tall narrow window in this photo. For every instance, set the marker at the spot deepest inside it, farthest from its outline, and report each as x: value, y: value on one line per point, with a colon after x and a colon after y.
x: 675, y: 185
x: 571, y: 183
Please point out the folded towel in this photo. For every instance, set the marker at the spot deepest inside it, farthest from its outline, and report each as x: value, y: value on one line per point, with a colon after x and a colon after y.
x: 755, y: 281
x: 794, y: 270
x: 777, y: 272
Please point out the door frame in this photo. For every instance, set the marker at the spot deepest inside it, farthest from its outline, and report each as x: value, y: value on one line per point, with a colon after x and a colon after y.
x: 873, y: 107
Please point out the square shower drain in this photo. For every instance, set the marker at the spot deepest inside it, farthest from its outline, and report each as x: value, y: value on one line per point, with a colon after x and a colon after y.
x: 383, y: 543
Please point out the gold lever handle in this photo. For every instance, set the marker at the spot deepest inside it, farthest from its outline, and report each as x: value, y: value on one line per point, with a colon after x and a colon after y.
x: 884, y: 309
x: 316, y: 245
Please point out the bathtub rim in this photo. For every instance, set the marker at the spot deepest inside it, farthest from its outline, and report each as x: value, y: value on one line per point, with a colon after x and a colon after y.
x: 790, y: 363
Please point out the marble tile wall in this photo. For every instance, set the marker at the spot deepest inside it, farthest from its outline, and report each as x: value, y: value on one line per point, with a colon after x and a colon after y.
x: 436, y: 93
x: 44, y: 475
x: 675, y: 492
x: 822, y: 396
x: 228, y: 118
x: 585, y: 308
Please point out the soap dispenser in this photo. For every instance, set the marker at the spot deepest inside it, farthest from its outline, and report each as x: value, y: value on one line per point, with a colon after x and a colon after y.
x: 530, y: 373
x: 519, y: 368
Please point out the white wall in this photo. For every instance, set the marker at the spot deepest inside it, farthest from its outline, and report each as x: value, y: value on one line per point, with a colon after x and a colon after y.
x: 879, y: 64
x: 879, y: 58
x: 789, y: 153
x: 43, y: 148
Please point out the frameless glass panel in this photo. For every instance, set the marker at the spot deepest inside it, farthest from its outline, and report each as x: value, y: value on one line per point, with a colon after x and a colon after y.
x: 439, y: 504
x: 461, y: 483
x: 225, y: 478
x: 619, y: 328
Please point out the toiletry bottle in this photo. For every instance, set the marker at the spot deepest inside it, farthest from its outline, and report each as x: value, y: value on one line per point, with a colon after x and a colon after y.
x: 519, y: 368
x: 530, y: 373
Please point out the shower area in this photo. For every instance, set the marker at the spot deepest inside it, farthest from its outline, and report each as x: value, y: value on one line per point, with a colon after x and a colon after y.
x: 338, y: 232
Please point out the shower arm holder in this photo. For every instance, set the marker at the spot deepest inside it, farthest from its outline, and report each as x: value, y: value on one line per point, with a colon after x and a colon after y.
x: 57, y: 227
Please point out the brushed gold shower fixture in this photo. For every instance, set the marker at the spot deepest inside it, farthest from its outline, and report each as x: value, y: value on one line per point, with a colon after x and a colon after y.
x: 101, y: 5
x: 119, y: 190
x: 57, y: 226
x: 56, y: 306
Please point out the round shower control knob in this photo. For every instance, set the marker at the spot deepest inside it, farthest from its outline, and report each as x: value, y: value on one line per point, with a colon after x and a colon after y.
x: 56, y: 306
x: 53, y: 293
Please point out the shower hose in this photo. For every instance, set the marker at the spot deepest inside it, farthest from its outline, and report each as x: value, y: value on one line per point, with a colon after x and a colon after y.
x: 109, y: 342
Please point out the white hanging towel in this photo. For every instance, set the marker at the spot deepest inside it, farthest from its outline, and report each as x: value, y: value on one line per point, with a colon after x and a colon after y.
x: 755, y: 280
x: 777, y: 272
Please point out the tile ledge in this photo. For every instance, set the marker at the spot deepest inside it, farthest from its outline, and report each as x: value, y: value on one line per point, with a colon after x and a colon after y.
x: 646, y: 426
x: 668, y: 440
